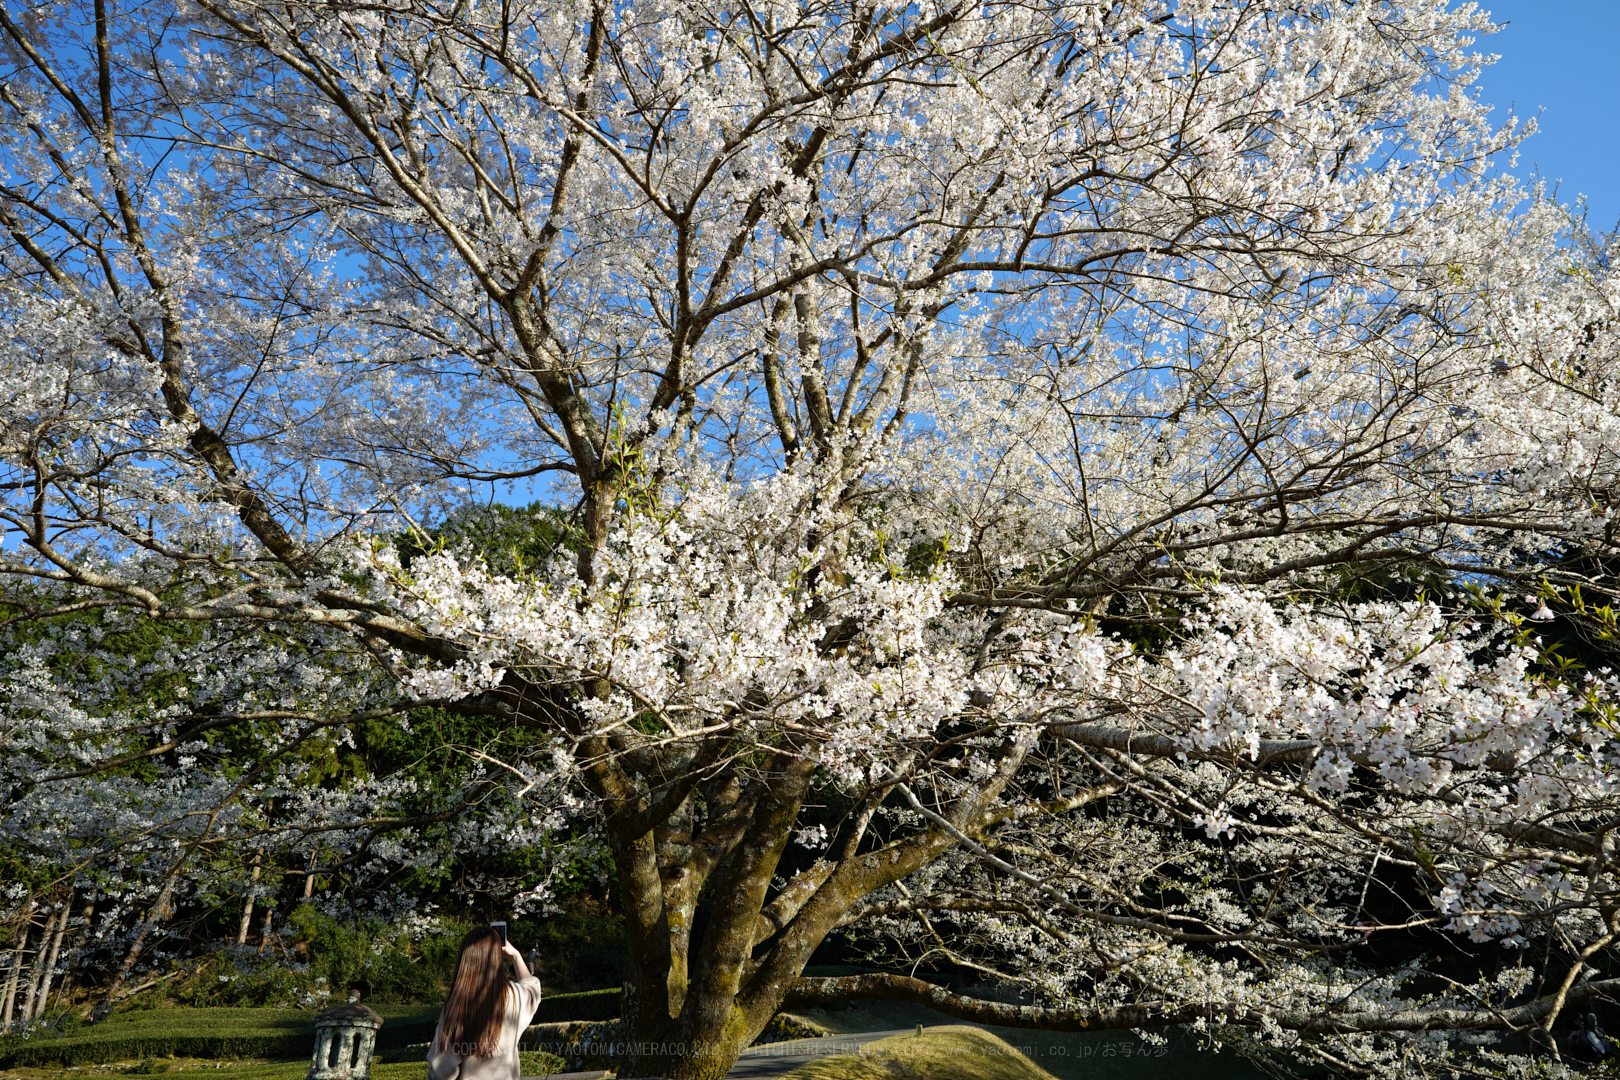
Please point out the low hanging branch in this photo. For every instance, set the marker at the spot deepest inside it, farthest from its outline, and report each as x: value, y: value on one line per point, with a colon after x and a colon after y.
x: 825, y: 992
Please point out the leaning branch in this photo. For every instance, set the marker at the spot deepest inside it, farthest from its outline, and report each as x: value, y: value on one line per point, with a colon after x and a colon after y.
x: 811, y: 993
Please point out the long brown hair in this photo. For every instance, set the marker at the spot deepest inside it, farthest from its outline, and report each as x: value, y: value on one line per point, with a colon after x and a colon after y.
x: 470, y: 1025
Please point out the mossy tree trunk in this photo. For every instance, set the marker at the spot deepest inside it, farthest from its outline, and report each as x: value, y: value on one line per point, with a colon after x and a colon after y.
x: 685, y: 826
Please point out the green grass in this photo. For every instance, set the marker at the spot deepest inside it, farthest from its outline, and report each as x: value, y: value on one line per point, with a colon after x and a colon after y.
x: 956, y: 1052
x: 1069, y: 1055
x: 842, y: 1067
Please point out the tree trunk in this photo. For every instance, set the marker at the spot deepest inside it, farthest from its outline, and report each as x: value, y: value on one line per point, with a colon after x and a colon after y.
x: 247, y: 905
x: 38, y: 977
x: 49, y: 973
x: 693, y: 1001
x: 104, y: 1005
x: 86, y: 918
x: 686, y: 1004
x: 8, y: 998
x: 9, y: 994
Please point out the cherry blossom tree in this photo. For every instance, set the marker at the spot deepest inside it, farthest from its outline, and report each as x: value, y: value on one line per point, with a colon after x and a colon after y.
x: 1108, y: 447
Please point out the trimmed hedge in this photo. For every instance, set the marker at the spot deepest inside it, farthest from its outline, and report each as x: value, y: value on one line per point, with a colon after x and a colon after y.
x: 227, y: 1034
x: 156, y: 1033
x: 588, y: 1005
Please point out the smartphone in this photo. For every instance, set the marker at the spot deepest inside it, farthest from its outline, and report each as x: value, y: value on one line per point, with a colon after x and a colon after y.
x: 499, y: 928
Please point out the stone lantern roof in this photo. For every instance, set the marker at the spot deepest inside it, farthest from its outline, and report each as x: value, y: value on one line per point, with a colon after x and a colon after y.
x: 344, y: 1038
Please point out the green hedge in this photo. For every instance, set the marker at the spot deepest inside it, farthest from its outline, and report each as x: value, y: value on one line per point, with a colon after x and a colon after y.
x: 155, y: 1033
x: 589, y: 1005
x: 234, y: 1034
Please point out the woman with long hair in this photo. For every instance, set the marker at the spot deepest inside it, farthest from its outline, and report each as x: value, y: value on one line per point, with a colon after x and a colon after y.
x: 485, y: 1015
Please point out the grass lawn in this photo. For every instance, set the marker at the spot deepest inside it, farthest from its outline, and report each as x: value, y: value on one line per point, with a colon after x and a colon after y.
x: 956, y: 1052
x: 1067, y: 1055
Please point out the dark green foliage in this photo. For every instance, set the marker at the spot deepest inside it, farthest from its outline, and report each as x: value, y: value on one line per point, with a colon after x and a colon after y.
x: 590, y: 1005
x: 571, y: 952
x: 365, y: 954
x: 389, y: 966
x: 511, y: 540
x: 576, y: 952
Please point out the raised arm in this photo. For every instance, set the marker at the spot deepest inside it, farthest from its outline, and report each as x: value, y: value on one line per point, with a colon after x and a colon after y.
x: 517, y: 960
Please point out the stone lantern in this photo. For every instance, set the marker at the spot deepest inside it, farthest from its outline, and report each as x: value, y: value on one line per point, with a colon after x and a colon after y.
x: 344, y: 1038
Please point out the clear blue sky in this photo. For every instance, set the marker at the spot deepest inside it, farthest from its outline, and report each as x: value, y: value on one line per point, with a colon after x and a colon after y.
x: 1562, y: 57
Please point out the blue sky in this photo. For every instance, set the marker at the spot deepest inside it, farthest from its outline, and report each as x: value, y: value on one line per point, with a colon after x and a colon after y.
x: 1563, y: 57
